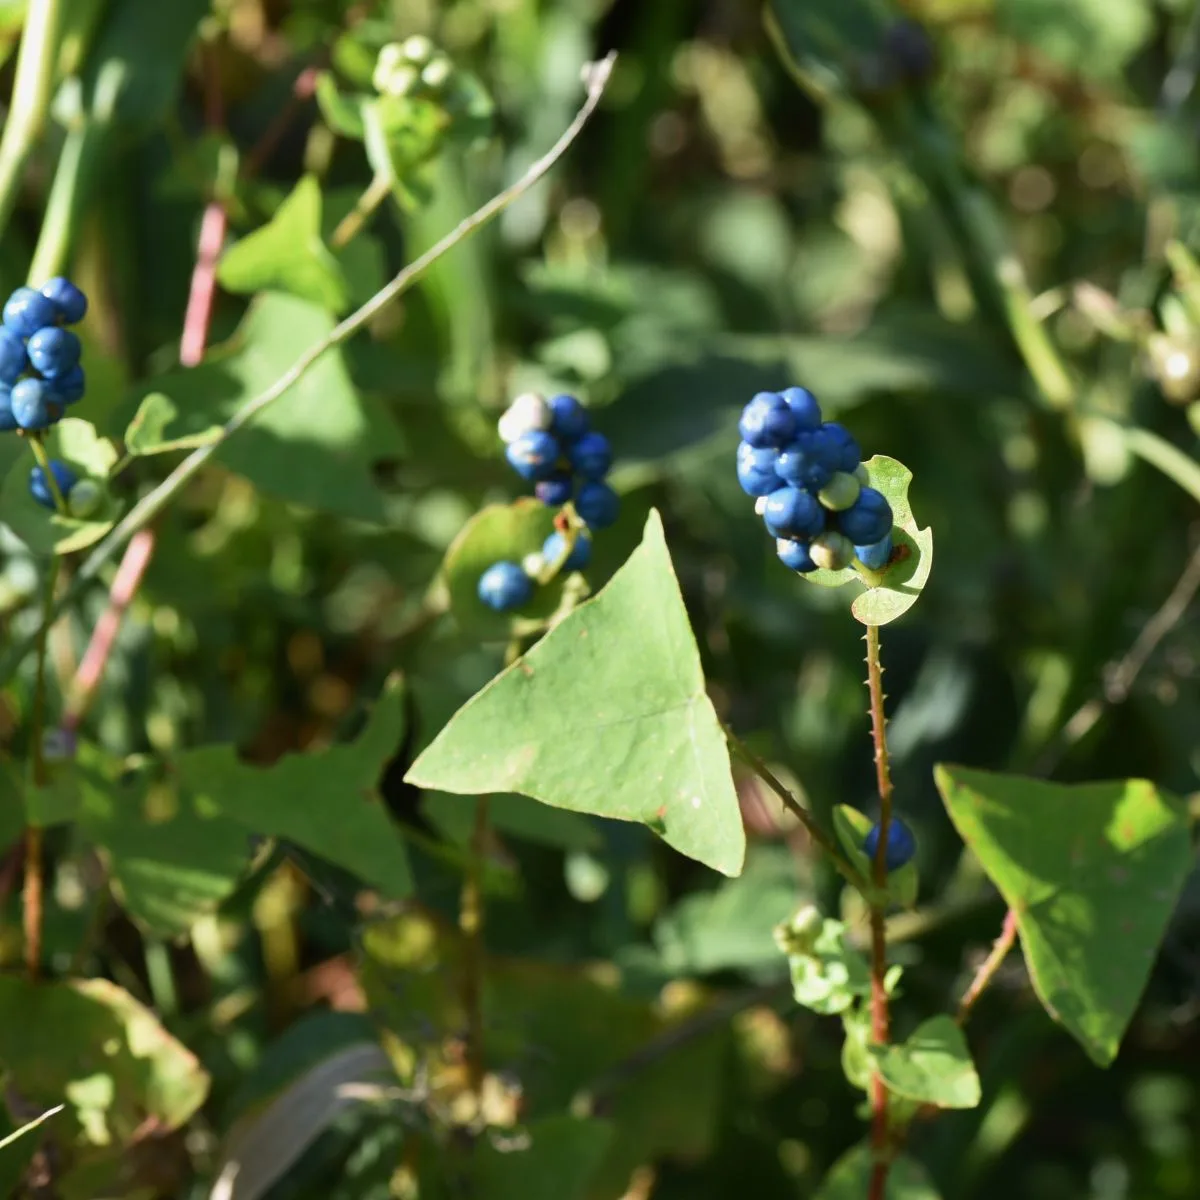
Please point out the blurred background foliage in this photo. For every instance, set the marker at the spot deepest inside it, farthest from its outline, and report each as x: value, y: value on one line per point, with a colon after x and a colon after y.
x: 964, y: 225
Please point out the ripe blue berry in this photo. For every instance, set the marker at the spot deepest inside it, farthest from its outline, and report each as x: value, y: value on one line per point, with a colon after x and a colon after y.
x: 569, y: 417
x: 868, y: 519
x: 54, y: 351
x: 504, y: 586
x: 901, y: 845
x: 597, y: 504
x: 793, y: 513
x: 28, y: 311
x: 581, y: 553
x: 809, y: 461
x: 533, y: 455
x: 591, y: 455
x: 767, y: 421
x: 555, y: 490
x: 39, y: 487
x: 8, y: 422
x: 756, y: 469
x: 69, y: 388
x: 876, y: 556
x: 804, y: 408
x: 33, y: 404
x: 13, y: 359
x: 67, y: 298
x: 794, y: 555
x: 850, y: 453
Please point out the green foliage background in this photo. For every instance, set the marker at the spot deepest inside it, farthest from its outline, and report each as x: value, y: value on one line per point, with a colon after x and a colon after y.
x: 760, y: 200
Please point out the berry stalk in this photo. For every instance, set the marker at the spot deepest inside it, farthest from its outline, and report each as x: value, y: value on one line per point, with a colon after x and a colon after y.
x: 879, y: 998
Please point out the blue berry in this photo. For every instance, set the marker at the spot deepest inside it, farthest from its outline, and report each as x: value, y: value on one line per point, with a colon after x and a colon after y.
x: 33, y: 404
x: 901, y: 845
x: 8, y: 422
x: 39, y: 487
x: 67, y: 298
x: 868, y: 519
x: 756, y: 469
x: 804, y: 408
x: 591, y: 455
x: 851, y: 455
x: 555, y: 490
x: 794, y: 555
x: 597, y: 504
x: 875, y: 556
x: 767, y: 421
x: 28, y: 311
x: 504, y: 586
x: 69, y: 388
x: 577, y: 560
x: 810, y: 460
x: 533, y: 455
x: 54, y: 351
x: 570, y: 418
x: 13, y: 359
x: 792, y: 513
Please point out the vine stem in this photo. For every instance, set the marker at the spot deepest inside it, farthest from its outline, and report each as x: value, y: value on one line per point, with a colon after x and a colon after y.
x: 146, y: 509
x: 879, y: 998
x: 987, y: 971
x: 818, y: 835
x: 30, y: 99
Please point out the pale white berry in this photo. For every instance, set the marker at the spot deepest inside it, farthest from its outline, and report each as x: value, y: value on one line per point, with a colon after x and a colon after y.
x: 832, y: 551
x: 436, y: 73
x: 533, y: 565
x: 417, y: 49
x: 527, y: 413
x: 840, y: 492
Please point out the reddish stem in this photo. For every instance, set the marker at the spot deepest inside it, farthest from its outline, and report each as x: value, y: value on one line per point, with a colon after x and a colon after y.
x: 987, y: 970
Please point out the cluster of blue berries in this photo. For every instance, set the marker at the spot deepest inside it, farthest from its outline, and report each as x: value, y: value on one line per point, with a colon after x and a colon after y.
x: 40, y: 375
x: 901, y: 845
x: 810, y: 486
x: 550, y: 443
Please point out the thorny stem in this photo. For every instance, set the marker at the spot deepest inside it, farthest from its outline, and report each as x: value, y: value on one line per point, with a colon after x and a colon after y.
x: 879, y: 999
x: 794, y: 806
x: 146, y: 509
x: 987, y: 971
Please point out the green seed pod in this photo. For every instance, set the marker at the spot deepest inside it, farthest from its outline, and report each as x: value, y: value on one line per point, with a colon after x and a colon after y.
x: 840, y: 492
x: 832, y: 551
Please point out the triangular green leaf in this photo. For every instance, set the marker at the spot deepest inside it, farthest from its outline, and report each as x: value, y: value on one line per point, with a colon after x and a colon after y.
x: 850, y: 1178
x: 325, y: 801
x: 607, y: 714
x: 316, y: 445
x: 1092, y: 872
x: 932, y: 1066
x: 288, y: 254
x: 894, y: 590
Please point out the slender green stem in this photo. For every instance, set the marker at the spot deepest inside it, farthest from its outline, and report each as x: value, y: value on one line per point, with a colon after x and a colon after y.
x: 65, y: 204
x: 818, y: 835
x: 152, y: 504
x: 879, y: 998
x: 349, y: 227
x: 987, y: 971
x: 32, y: 90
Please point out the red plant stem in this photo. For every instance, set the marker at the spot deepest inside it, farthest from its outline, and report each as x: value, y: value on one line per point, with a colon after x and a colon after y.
x: 91, y: 667
x: 987, y: 971
x: 879, y: 999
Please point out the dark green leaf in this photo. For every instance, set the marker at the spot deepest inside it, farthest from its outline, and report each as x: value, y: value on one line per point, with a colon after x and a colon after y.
x: 551, y: 1159
x: 850, y: 1178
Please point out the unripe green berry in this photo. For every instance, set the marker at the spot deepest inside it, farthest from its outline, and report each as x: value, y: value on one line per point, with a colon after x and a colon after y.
x: 436, y: 73
x: 862, y: 474
x: 798, y: 935
x: 417, y: 49
x: 84, y: 498
x: 832, y: 551
x: 533, y: 565
x: 840, y: 492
